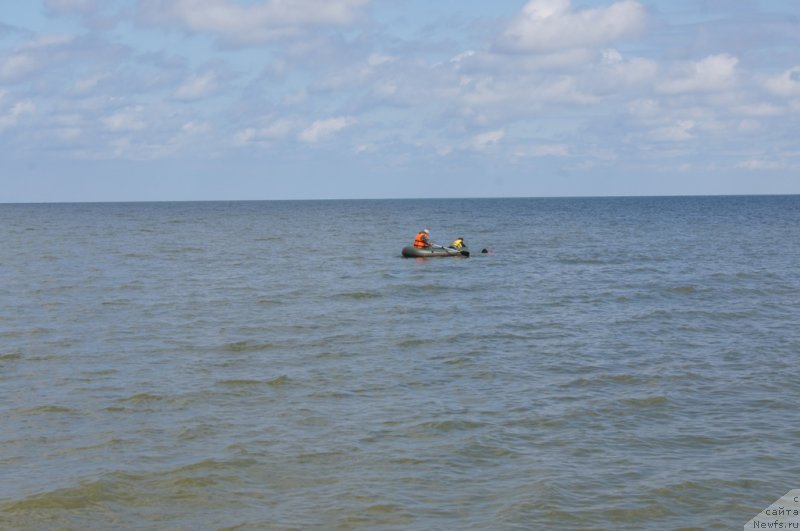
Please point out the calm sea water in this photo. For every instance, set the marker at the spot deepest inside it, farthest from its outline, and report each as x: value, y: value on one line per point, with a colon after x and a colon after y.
x: 626, y: 363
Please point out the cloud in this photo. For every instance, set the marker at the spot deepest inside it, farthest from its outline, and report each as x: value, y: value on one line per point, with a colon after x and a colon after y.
x: 551, y: 87
x: 32, y: 57
x: 549, y: 150
x: 546, y: 25
x: 713, y: 74
x: 87, y: 84
x: 197, y: 87
x: 541, y: 150
x: 522, y: 94
x: 255, y: 22
x: 324, y: 128
x: 482, y: 141
x: 618, y: 73
x: 760, y: 165
x: 12, y: 111
x: 125, y: 121
x: 680, y: 131
x: 195, y: 128
x: 786, y: 84
x: 279, y: 129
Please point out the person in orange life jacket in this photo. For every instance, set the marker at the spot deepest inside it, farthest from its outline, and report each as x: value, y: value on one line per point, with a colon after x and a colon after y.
x: 421, y: 241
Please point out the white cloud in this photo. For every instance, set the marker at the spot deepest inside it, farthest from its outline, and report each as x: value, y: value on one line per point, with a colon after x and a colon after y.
x: 279, y: 129
x: 546, y: 25
x: 550, y: 150
x: 712, y: 74
x: 522, y: 92
x: 324, y: 128
x: 125, y: 120
x: 197, y: 87
x: 760, y: 109
x: 550, y: 88
x: 195, y: 128
x: 251, y: 23
x: 564, y: 59
x: 760, y: 165
x: 245, y: 136
x: 17, y: 66
x: 11, y: 112
x: 31, y: 58
x: 680, y: 131
x: 366, y: 148
x: 644, y: 108
x: 543, y: 150
x: 618, y: 72
x: 786, y: 84
x: 484, y: 140
x: 377, y: 59
x: 89, y: 83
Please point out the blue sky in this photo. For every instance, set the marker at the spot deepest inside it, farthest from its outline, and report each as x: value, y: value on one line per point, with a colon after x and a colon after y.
x: 129, y: 100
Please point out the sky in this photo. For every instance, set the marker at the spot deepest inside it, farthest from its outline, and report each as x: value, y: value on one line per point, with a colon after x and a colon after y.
x: 160, y: 100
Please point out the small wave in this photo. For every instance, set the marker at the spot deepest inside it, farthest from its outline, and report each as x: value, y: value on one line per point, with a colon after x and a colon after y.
x: 412, y: 342
x: 269, y: 302
x: 185, y: 483
x: 86, y: 494
x: 214, y: 464
x: 101, y: 372
x: 42, y: 410
x: 683, y: 290
x: 241, y: 382
x: 141, y: 398
x: 279, y: 380
x: 575, y: 260
x: 635, y: 514
x: 604, y: 379
x: 37, y: 331
x: 321, y: 458
x: 407, y: 461
x: 116, y: 302
x: 547, y: 423
x: 182, y: 250
x: 247, y: 346
x: 646, y: 402
x: 331, y: 395
x: 691, y: 489
x: 384, y: 508
x: 730, y: 316
x: 447, y: 425
x: 359, y: 295
x: 10, y: 356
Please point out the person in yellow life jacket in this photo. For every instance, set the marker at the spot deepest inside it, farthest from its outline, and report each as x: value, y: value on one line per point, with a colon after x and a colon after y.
x: 458, y: 243
x: 421, y: 241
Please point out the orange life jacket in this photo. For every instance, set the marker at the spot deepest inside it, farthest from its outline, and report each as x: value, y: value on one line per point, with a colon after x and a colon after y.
x: 421, y: 241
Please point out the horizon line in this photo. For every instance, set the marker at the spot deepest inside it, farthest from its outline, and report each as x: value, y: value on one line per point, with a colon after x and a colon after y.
x: 321, y: 199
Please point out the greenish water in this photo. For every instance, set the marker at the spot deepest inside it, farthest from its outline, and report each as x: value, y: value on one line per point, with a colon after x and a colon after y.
x: 624, y: 363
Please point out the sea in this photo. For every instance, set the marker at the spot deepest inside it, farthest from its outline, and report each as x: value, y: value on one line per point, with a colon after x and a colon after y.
x: 607, y: 363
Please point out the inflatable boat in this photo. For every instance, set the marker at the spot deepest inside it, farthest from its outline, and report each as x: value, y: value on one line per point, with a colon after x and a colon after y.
x: 410, y: 251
